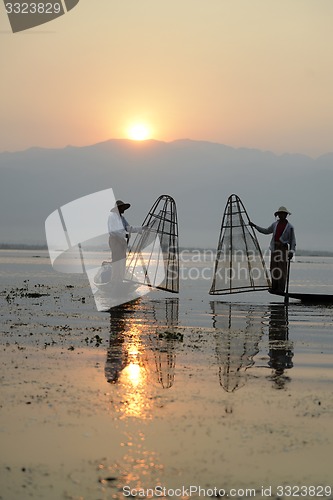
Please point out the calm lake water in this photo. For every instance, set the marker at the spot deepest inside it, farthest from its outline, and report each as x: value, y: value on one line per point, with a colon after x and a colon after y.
x: 170, y: 389
x: 66, y: 298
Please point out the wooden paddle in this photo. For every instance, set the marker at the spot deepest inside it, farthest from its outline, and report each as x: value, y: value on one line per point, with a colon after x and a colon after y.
x: 286, y: 294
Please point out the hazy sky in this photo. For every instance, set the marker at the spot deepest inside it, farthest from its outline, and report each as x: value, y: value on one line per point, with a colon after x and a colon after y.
x: 247, y: 73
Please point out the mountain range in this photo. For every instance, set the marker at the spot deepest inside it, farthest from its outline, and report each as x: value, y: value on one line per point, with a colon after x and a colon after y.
x: 199, y: 175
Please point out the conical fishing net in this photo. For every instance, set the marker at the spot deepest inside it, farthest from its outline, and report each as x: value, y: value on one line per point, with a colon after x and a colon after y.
x: 154, y: 256
x: 239, y: 265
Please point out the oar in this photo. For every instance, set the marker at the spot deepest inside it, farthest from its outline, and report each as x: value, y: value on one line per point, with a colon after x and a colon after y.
x: 286, y: 294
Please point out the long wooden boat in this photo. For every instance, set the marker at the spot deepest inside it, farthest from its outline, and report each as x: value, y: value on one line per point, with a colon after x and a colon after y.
x: 307, y: 298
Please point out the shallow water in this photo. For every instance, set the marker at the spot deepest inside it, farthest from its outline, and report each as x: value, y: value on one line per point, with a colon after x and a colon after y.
x: 232, y: 393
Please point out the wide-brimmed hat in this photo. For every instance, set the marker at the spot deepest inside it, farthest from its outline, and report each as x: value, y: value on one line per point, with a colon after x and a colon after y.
x: 120, y: 203
x: 282, y: 209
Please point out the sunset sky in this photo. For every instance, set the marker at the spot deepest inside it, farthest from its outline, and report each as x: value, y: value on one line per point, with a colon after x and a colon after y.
x: 246, y: 73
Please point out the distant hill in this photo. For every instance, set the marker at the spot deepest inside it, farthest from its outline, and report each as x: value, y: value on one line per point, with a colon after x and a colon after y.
x: 199, y: 175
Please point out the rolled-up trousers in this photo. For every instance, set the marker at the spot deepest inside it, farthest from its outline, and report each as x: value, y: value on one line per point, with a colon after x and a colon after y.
x: 118, y: 247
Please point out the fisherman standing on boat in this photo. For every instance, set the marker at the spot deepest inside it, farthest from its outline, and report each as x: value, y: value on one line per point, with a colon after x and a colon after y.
x: 282, y: 246
x: 119, y: 234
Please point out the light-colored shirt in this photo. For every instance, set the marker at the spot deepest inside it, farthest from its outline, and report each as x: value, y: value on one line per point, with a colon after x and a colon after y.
x: 287, y: 237
x: 119, y: 227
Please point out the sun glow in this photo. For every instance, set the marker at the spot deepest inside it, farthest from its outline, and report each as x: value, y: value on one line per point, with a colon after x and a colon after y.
x: 139, y: 132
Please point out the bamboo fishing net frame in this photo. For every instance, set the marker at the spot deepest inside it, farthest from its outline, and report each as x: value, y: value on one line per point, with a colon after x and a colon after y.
x: 237, y: 235
x: 162, y: 233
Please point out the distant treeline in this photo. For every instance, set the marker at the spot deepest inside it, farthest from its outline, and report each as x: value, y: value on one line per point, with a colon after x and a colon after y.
x: 315, y: 253
x: 23, y: 246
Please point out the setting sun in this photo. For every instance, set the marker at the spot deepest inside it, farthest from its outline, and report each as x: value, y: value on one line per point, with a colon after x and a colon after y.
x: 139, y: 132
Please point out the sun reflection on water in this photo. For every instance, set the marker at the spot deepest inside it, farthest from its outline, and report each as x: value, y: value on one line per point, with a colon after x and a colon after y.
x: 134, y: 381
x: 141, y: 358
x: 134, y: 378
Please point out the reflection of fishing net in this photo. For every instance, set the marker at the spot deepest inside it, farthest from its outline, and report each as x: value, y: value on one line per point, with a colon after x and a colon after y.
x: 154, y: 256
x: 166, y: 312
x: 165, y: 359
x: 233, y: 359
x: 235, y: 345
x: 239, y: 265
x: 164, y: 342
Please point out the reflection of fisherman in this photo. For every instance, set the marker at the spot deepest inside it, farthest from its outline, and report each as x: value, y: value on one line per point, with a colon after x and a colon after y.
x: 280, y: 348
x: 156, y: 352
x: 117, y: 358
x: 117, y: 354
x: 282, y: 247
x: 119, y: 234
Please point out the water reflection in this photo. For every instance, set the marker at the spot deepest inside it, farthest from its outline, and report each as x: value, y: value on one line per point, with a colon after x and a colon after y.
x: 237, y: 337
x: 117, y: 354
x: 280, y: 347
x: 141, y: 353
x: 139, y: 468
x: 164, y: 343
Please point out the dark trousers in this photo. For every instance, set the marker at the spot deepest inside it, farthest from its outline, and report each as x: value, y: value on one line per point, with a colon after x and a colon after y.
x: 278, y: 267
